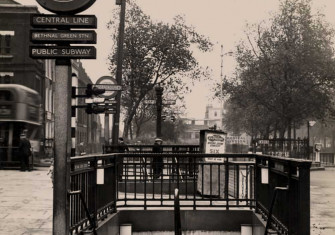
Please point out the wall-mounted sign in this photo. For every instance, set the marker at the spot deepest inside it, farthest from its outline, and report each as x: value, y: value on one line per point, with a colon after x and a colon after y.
x: 110, y: 101
x: 263, y: 141
x: 105, y: 81
x: 236, y: 139
x: 76, y: 21
x: 149, y: 101
x: 109, y: 87
x: 50, y: 52
x: 65, y: 6
x: 52, y: 36
x: 110, y: 111
x: 213, y: 142
x: 169, y: 102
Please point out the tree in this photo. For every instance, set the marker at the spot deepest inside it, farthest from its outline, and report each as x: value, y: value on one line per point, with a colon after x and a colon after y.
x: 156, y: 54
x: 285, y: 69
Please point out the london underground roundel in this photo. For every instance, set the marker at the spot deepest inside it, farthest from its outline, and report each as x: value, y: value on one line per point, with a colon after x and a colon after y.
x: 66, y: 6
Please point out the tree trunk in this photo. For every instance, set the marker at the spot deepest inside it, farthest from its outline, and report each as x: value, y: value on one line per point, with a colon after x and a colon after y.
x: 131, y: 131
x: 131, y: 114
x: 138, y: 130
x: 289, y: 135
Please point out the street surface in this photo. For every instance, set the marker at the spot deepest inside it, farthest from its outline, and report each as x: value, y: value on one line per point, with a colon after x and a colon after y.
x: 25, y: 202
x: 323, y: 202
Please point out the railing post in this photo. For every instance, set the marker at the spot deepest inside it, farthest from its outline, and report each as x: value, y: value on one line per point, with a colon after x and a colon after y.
x: 177, y: 221
x: 226, y: 192
x: 304, y: 199
x: 95, y: 191
x: 115, y: 184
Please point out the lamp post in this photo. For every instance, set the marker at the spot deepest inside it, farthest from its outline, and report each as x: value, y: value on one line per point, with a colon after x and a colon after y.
x: 159, y: 93
x: 116, y: 119
x: 229, y: 53
x: 309, y: 124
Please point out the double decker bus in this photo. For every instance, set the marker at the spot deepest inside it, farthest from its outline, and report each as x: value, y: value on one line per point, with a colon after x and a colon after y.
x: 19, y: 113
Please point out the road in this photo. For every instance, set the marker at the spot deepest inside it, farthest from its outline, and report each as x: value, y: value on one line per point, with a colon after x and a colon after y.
x: 323, y: 202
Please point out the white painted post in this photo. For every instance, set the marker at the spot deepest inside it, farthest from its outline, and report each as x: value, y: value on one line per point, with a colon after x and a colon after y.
x: 265, y: 175
x: 125, y: 229
x: 246, y: 229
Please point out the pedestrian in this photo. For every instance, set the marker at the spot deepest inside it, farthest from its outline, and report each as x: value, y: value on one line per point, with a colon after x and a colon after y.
x: 51, y: 171
x: 24, y: 152
x: 122, y: 148
x: 157, y: 161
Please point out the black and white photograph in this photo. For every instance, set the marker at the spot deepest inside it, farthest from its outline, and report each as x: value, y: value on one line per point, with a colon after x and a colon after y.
x: 167, y: 117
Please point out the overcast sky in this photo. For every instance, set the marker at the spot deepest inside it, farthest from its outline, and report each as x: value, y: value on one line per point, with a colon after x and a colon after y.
x: 223, y: 21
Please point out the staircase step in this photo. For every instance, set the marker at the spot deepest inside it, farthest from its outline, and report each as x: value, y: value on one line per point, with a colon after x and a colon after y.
x: 187, y: 233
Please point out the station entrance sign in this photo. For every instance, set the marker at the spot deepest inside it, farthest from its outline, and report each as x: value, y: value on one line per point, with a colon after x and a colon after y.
x: 52, y: 52
x: 110, y: 85
x: 63, y: 36
x: 56, y: 36
x: 66, y: 6
x: 70, y: 21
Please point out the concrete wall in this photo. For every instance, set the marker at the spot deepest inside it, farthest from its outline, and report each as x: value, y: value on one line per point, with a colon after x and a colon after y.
x: 158, y: 220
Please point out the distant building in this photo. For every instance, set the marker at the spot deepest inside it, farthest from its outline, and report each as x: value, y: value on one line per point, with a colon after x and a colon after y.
x: 214, y: 116
x: 191, y: 134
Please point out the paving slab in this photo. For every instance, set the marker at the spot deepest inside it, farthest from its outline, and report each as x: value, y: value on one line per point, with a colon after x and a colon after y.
x: 25, y: 202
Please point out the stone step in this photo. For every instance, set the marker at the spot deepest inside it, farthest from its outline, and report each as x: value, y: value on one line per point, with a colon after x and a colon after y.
x: 187, y: 233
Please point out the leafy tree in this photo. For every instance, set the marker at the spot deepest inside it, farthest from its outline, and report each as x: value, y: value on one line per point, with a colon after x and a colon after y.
x: 285, y: 69
x: 156, y: 54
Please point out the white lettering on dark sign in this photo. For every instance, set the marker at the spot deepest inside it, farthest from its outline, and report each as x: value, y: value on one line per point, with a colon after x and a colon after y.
x: 88, y: 21
x: 70, y: 52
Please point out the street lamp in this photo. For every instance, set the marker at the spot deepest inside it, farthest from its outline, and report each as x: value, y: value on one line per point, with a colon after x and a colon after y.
x: 229, y: 53
x: 309, y: 124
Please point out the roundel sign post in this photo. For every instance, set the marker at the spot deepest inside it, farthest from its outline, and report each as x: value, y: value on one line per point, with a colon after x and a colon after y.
x: 110, y: 85
x: 66, y: 6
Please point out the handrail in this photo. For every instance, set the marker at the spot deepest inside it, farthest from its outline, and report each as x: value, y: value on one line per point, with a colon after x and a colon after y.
x: 92, y: 221
x: 272, y: 205
x: 177, y: 222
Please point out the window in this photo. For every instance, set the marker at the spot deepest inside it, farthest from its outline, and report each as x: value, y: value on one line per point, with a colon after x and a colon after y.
x: 5, y: 42
x: 215, y: 114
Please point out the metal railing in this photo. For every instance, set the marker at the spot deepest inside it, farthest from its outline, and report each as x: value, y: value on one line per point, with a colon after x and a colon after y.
x: 201, y: 183
x: 291, y: 212
x: 143, y: 180
x: 98, y: 190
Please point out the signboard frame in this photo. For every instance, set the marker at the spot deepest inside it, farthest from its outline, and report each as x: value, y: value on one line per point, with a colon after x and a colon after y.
x: 149, y: 102
x: 61, y: 21
x: 93, y: 55
x: 213, y: 142
x: 169, y: 102
x: 56, y: 36
x: 66, y: 6
x: 110, y: 111
x: 110, y: 79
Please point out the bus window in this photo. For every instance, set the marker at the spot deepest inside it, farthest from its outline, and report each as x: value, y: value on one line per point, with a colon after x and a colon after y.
x: 5, y: 95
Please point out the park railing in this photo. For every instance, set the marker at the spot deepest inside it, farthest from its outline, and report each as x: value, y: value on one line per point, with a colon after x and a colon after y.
x: 112, y: 182
x: 292, y: 148
x: 148, y: 148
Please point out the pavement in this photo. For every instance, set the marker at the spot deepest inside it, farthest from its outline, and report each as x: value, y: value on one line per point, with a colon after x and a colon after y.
x: 323, y: 202
x: 25, y: 202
